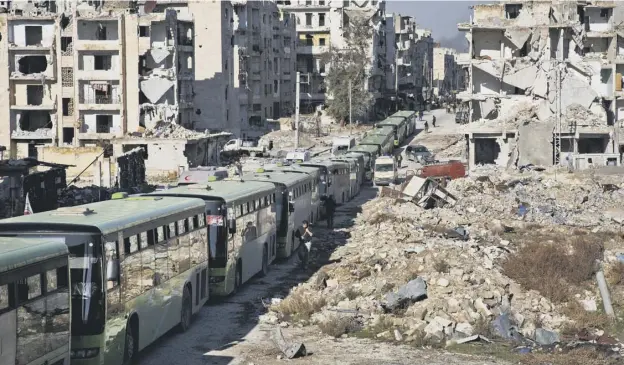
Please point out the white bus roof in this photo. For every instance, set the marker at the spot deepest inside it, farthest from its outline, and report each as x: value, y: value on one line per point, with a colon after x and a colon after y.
x: 16, y: 252
x: 278, y: 177
x: 228, y: 190
x: 107, y: 216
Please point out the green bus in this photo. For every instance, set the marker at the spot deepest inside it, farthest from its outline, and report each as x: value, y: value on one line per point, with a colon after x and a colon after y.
x: 138, y: 267
x: 34, y: 301
x: 317, y: 184
x: 399, y: 127
x: 384, y: 143
x: 293, y: 194
x: 241, y: 229
x: 410, y: 117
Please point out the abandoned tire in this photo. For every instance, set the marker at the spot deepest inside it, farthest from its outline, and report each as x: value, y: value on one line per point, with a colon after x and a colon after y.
x: 131, y: 345
x: 265, y: 261
x: 186, y: 313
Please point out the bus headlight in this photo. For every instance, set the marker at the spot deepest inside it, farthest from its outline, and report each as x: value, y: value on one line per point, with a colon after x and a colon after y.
x: 84, y: 353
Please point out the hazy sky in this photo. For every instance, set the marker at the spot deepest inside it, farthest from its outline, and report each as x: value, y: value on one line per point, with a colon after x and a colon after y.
x: 439, y: 16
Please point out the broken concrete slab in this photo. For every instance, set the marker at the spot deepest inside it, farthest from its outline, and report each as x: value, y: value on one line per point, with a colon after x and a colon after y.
x: 155, y: 88
x: 545, y: 337
x: 291, y: 351
x: 518, y: 37
x: 411, y: 292
x: 574, y: 90
x: 488, y: 108
x: 522, y: 78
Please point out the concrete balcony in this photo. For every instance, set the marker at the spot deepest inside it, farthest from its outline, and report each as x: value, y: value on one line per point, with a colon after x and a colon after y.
x: 312, y: 49
x: 47, y: 106
x: 97, y: 45
x: 312, y: 28
x: 100, y: 103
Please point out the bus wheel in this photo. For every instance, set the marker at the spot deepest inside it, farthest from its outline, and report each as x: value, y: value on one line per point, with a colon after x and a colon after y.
x: 130, y: 349
x: 265, y: 261
x: 186, y: 313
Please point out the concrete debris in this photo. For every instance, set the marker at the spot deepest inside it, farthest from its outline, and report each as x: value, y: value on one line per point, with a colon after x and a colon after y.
x: 291, y: 351
x: 47, y: 133
x: 518, y: 36
x: 411, y: 292
x: 545, y: 337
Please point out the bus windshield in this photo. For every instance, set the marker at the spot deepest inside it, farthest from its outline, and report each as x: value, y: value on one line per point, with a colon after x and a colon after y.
x: 85, y: 263
x: 217, y: 237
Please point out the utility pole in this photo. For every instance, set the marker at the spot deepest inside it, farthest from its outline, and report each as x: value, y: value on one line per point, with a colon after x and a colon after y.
x: 396, y: 78
x: 350, y: 126
x: 297, y: 101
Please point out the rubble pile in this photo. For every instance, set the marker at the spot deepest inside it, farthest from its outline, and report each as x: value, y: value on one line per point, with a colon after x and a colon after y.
x: 164, y: 129
x: 74, y: 195
x: 407, y: 272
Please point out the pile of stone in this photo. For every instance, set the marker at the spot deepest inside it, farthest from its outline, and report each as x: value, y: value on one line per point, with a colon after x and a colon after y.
x: 74, y: 195
x: 438, y: 272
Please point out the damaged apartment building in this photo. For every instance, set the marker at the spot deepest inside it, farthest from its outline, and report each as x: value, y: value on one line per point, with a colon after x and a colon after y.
x: 82, y: 73
x: 545, y: 83
x: 414, y: 62
x: 320, y: 25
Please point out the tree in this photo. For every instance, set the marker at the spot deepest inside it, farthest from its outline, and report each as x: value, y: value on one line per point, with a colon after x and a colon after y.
x: 351, y: 63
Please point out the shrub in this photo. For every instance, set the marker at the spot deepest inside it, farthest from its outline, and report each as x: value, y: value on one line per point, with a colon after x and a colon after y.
x: 441, y: 266
x: 550, y: 268
x: 300, y: 305
x: 337, y: 326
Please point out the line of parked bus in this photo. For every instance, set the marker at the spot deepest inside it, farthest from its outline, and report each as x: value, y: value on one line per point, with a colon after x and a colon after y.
x: 97, y: 283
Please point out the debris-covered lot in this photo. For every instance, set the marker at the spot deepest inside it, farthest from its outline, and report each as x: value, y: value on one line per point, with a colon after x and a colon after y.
x: 514, y: 261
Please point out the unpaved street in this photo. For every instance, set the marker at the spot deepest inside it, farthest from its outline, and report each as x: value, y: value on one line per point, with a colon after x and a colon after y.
x: 229, y: 332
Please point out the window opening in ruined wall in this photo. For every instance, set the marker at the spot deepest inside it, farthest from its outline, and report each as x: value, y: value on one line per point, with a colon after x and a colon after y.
x: 34, y: 35
x: 68, y: 107
x: 34, y: 94
x: 67, y: 76
x: 32, y: 64
x: 512, y: 11
x: 67, y: 46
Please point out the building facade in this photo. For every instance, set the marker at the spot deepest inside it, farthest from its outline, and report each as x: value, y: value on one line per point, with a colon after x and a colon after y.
x: 553, y: 65
x: 320, y: 26
x: 80, y: 74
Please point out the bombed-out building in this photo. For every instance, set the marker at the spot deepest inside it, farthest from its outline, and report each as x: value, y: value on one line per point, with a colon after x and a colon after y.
x: 544, y: 83
x: 80, y: 73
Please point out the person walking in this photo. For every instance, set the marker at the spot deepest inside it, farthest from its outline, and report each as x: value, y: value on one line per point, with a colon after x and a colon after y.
x: 330, y: 210
x: 305, y: 244
x: 426, y: 127
x: 433, y: 122
x: 399, y: 160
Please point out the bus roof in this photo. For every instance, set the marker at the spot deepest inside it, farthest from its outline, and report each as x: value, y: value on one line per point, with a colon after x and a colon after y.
x: 277, y: 178
x: 325, y: 163
x: 229, y: 190
x: 16, y: 252
x: 376, y: 139
x: 108, y: 216
x: 391, y: 122
x: 382, y: 129
x: 294, y: 168
x: 364, y: 148
x: 404, y: 114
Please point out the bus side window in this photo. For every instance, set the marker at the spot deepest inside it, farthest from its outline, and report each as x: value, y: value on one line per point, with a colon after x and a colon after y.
x: 191, y: 223
x: 51, y: 282
x: 160, y: 234
x: 201, y: 220
x: 195, y: 221
x: 171, y: 232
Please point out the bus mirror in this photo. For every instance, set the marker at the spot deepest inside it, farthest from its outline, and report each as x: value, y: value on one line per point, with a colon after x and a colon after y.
x: 232, y: 225
x: 112, y: 270
x: 291, y: 207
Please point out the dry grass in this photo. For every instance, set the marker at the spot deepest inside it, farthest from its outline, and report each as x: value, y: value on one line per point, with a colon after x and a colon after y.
x: 337, y: 326
x: 384, y: 324
x: 351, y: 293
x: 551, y: 268
x: 300, y: 305
x: 584, y: 319
x: 615, y: 274
x: 578, y: 356
x: 483, y: 327
x: 441, y: 266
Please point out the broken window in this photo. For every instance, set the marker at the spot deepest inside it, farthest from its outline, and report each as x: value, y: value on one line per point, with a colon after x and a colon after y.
x: 309, y: 41
x: 34, y: 94
x: 321, y: 19
x: 32, y: 64
x: 604, y: 13
x: 103, y: 123
x: 67, y: 76
x: 66, y: 46
x: 68, y: 135
x: 322, y: 2
x: 605, y: 75
x: 100, y: 33
x: 144, y: 31
x: 308, y: 17
x: 31, y: 120
x: 34, y: 35
x: 486, y: 151
x: 68, y: 107
x: 592, y: 145
x: 102, y: 62
x: 512, y: 11
x: 308, y: 2
x: 321, y: 41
